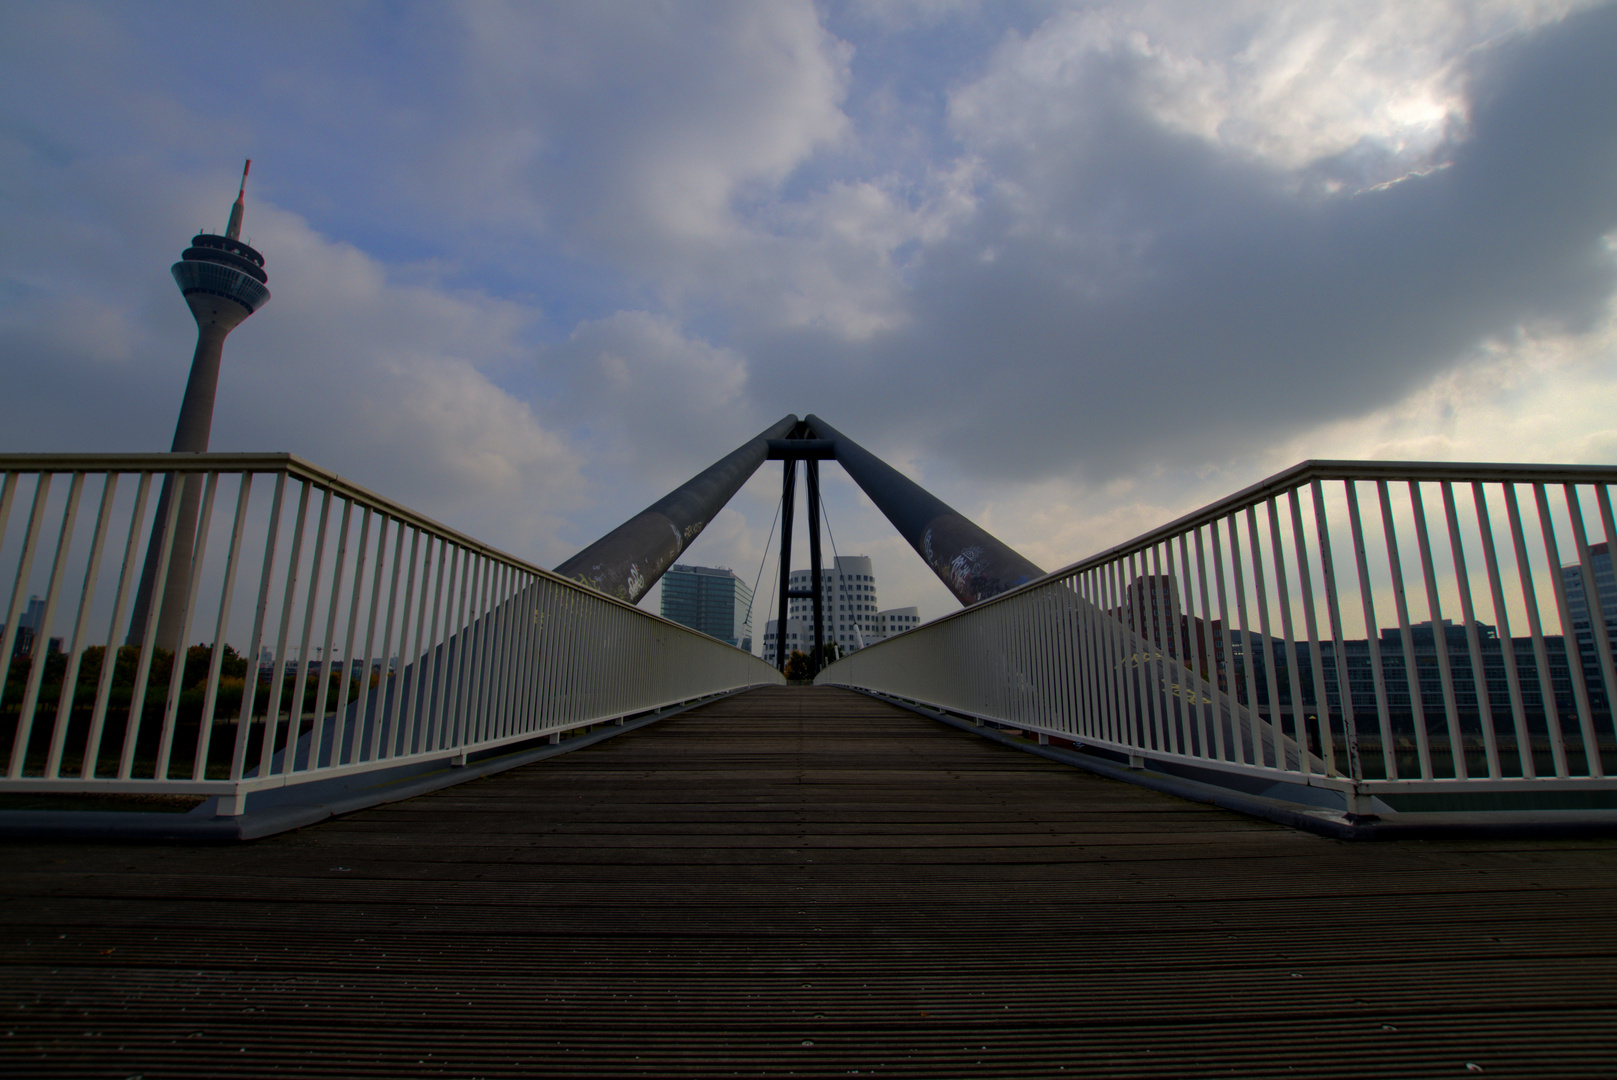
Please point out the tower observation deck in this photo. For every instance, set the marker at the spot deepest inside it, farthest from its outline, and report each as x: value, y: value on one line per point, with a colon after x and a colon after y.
x: 222, y: 266
x: 223, y: 281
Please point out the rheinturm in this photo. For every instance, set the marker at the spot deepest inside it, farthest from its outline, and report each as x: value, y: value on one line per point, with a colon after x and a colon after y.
x: 222, y: 279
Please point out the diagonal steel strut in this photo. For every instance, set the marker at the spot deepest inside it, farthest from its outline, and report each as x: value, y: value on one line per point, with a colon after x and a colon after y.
x: 627, y: 561
x: 972, y: 563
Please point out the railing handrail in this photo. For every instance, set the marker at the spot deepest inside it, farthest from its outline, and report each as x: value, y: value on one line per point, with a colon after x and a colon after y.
x: 1349, y: 469
x: 303, y: 469
x: 1301, y: 473
x: 291, y: 464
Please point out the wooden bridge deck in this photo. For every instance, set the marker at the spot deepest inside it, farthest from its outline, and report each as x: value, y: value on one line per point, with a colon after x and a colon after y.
x: 810, y: 883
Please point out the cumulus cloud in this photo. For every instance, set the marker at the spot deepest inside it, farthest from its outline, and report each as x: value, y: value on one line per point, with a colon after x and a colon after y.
x: 389, y: 380
x: 637, y: 384
x: 640, y: 131
x: 1290, y: 84
x: 376, y: 379
x: 1075, y: 266
x: 1131, y: 293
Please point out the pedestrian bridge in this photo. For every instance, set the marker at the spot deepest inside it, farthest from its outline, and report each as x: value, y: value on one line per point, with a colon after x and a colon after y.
x: 1349, y: 646
x: 808, y: 882
x: 566, y: 837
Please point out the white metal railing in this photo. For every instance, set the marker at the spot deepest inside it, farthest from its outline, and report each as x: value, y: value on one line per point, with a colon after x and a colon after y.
x: 1326, y: 627
x: 373, y: 636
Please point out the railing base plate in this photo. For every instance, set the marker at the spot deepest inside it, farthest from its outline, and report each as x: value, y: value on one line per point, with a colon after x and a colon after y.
x: 275, y: 810
x: 1334, y: 820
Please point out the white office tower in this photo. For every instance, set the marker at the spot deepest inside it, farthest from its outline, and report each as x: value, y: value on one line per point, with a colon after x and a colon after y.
x: 853, y: 614
x: 897, y: 620
x: 849, y: 597
x: 799, y: 638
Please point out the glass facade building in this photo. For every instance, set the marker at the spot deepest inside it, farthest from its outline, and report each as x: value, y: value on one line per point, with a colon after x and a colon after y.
x: 1578, y: 608
x: 710, y: 599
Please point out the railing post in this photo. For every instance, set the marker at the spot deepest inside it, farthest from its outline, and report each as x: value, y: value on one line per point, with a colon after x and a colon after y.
x: 1344, y: 682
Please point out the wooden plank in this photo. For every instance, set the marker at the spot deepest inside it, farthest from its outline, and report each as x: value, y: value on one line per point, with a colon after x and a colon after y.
x: 807, y: 882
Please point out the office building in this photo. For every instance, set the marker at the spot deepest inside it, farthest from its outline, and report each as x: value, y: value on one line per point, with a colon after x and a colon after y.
x: 30, y: 625
x: 799, y: 638
x: 1577, y: 599
x: 853, y: 613
x: 849, y: 599
x: 1578, y: 610
x: 897, y: 620
x: 1152, y: 609
x: 710, y: 599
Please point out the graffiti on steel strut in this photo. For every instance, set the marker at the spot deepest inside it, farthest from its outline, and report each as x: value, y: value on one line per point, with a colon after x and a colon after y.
x: 961, y: 570
x: 964, y: 567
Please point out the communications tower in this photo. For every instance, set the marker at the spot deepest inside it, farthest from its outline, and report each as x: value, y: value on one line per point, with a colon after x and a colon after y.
x: 223, y: 281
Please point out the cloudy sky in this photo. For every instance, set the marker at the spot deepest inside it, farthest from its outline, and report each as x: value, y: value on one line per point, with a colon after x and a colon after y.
x: 1076, y: 267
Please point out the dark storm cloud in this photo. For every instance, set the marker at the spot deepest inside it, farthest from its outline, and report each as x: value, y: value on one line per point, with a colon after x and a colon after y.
x: 1128, y: 295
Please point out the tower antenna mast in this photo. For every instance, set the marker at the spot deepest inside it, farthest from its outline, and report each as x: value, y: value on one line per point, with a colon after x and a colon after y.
x: 233, y: 230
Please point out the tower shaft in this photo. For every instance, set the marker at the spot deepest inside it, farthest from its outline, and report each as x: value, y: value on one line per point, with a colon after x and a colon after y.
x: 216, y: 317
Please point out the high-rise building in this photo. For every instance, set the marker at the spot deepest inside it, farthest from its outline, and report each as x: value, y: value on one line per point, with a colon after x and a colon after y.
x: 1151, y: 608
x: 223, y: 281
x: 799, y: 638
x: 710, y: 599
x: 1578, y: 608
x: 30, y: 625
x: 800, y: 632
x: 897, y: 620
x: 853, y: 616
x: 1577, y: 599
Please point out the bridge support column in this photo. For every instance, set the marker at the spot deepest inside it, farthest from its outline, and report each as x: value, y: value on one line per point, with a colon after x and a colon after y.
x: 788, y: 498
x: 799, y: 447
x: 811, y: 471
